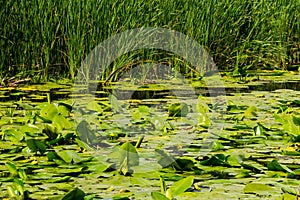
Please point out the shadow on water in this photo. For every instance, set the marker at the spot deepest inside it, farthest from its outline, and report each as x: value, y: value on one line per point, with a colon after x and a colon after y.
x: 204, y: 91
x: 15, y: 94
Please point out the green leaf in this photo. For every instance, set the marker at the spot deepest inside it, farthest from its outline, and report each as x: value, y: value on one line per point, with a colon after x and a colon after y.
x: 259, y: 189
x: 158, y: 196
x: 12, y: 191
x: 69, y: 156
x: 49, y: 111
x: 216, y: 160
x: 36, y: 145
x: 178, y: 110
x: 74, y: 194
x: 14, y: 135
x: 180, y: 186
x: 163, y: 186
x: 85, y: 133
x: 128, y: 151
x: 83, y: 144
x: 94, y: 106
x: 276, y: 166
x: 159, y: 121
x: 19, y: 185
x: 64, y: 110
x: 11, y: 168
x: 22, y: 174
x: 61, y: 123
x: 250, y: 112
x: 165, y: 160
x: 115, y: 105
x: 125, y: 168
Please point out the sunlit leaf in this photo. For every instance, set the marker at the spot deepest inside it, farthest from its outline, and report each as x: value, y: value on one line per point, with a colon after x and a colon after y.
x: 158, y: 196
x: 180, y: 186
x: 178, y: 110
x: 12, y: 168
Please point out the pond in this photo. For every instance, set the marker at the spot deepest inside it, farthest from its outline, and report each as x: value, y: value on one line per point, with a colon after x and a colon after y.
x: 157, y: 140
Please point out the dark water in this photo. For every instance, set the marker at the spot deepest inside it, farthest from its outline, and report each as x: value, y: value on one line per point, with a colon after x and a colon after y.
x: 205, y: 91
x: 64, y: 92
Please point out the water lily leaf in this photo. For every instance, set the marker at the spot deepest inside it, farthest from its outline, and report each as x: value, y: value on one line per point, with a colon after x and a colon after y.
x: 11, y: 168
x: 76, y: 193
x: 30, y: 128
x: 185, y: 164
x: 14, y: 135
x: 94, y: 106
x: 296, y: 120
x: 115, y: 105
x: 288, y: 124
x: 64, y: 109
x: 59, y: 179
x: 250, y: 112
x: 159, y: 121
x: 136, y: 115
x: 287, y: 196
x: 17, y: 190
x: 178, y: 110
x: 231, y: 106
x: 164, y: 159
x: 158, y: 196
x: 69, y: 156
x: 61, y: 123
x: 243, y: 174
x: 258, y: 188
x: 216, y: 160
x: 179, y: 187
x: 49, y: 112
x: 83, y: 145
x: 12, y: 191
x: 85, y: 133
x: 128, y: 152
x: 36, y: 145
x: 125, y: 168
x: 276, y: 166
x: 50, y: 131
x: 67, y: 106
x: 252, y: 167
x: 144, y: 109
x: 288, y: 189
x: 22, y: 174
x: 52, y: 156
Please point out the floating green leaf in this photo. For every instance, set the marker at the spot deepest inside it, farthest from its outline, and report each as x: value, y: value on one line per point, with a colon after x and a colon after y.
x: 94, y: 106
x: 49, y: 112
x: 76, y: 193
x: 12, y: 168
x: 36, y: 145
x: 128, y: 152
x: 276, y: 166
x: 258, y: 188
x: 85, y: 133
x: 179, y: 187
x: 158, y: 196
x: 69, y: 156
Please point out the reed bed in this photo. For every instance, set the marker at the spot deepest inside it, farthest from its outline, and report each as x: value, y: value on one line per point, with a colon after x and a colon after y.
x: 51, y: 38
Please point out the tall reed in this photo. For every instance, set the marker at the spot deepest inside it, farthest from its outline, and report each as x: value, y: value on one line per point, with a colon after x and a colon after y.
x: 52, y: 38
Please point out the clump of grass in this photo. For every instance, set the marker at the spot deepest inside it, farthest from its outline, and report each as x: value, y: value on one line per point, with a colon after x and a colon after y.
x: 54, y: 37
